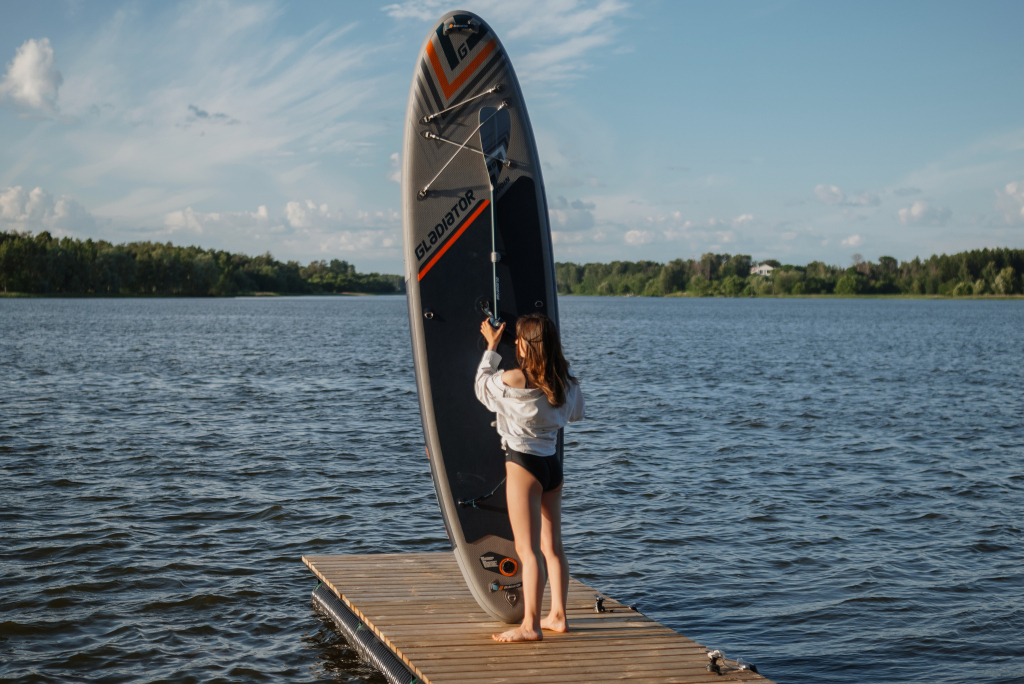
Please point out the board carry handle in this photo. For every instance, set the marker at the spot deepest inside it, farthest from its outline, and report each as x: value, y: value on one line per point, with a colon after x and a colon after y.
x: 452, y: 26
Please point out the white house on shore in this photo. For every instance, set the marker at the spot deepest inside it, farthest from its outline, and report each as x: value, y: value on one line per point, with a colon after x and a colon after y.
x: 762, y: 270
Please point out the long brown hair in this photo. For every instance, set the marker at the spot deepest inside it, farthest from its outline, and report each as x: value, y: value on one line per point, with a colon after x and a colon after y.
x: 544, y: 364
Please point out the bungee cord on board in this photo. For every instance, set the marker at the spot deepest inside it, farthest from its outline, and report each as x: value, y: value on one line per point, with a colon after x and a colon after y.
x: 507, y: 163
x: 426, y: 188
x: 430, y: 117
x: 473, y: 502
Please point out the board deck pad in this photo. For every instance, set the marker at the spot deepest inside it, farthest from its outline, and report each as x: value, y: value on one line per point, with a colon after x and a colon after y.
x: 450, y: 164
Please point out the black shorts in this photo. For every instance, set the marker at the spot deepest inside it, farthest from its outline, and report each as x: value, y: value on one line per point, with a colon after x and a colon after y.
x: 547, y: 469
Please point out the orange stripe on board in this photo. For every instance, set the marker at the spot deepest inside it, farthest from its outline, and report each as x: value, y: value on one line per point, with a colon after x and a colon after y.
x: 450, y: 88
x: 440, y: 252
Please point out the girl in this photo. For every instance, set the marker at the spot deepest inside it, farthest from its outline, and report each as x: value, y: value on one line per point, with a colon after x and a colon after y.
x: 532, y: 403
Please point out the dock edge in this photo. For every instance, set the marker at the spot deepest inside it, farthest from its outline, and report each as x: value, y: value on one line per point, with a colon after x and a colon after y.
x: 361, y: 638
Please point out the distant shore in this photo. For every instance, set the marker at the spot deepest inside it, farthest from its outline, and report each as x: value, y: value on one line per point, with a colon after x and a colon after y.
x: 45, y: 265
x: 674, y: 295
x: 987, y: 272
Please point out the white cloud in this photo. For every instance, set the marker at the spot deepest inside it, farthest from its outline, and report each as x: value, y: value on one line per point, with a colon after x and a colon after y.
x: 559, y: 35
x: 185, y: 220
x: 1010, y: 201
x: 36, y: 211
x: 561, y: 61
x: 567, y: 217
x: 833, y: 195
x: 284, y: 108
x: 853, y: 241
x: 32, y: 81
x: 829, y: 194
x: 423, y: 10
x: 302, y: 227
x: 921, y: 213
x: 865, y: 199
x: 220, y: 224
x: 638, y: 237
x: 565, y: 17
x: 395, y: 174
x: 559, y: 237
x: 302, y: 214
x: 742, y: 219
x: 678, y: 231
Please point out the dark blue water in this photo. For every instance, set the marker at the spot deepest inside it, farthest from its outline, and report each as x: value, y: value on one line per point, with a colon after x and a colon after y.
x: 832, y: 489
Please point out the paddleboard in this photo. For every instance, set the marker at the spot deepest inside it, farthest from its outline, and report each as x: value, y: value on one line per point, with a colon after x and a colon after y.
x: 477, y: 245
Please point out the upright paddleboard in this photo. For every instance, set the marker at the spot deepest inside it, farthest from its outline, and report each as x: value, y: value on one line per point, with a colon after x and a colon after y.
x: 476, y: 233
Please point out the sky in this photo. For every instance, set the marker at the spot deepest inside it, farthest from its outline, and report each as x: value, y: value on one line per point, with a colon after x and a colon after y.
x: 782, y: 129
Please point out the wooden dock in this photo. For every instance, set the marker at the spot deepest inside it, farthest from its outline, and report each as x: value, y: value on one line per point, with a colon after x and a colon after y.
x: 418, y: 606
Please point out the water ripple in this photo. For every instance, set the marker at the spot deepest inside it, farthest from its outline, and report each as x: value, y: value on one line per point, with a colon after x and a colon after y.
x: 832, y: 489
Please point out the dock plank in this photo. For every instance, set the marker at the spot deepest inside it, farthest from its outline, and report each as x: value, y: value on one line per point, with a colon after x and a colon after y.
x: 419, y: 606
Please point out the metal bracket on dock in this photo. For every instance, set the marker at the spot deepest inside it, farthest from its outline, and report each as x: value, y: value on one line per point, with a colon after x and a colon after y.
x: 599, y: 606
x: 721, y: 665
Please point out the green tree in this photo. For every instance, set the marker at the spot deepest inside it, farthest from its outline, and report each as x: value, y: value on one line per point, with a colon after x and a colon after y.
x: 699, y: 286
x: 786, y: 280
x: 1006, y: 282
x: 673, y: 276
x: 733, y: 286
x: 850, y: 283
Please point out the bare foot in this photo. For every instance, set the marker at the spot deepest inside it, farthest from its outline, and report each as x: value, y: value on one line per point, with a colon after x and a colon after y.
x: 554, y: 624
x: 520, y: 633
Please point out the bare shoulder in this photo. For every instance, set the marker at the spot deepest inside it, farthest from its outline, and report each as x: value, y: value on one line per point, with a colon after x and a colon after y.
x: 514, y: 378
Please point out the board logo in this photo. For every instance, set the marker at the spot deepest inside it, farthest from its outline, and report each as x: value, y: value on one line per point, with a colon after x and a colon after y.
x: 500, y: 564
x: 444, y: 225
x: 452, y: 54
x: 461, y: 57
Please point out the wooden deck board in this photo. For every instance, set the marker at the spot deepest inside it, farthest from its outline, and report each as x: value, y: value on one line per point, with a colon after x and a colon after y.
x: 419, y: 606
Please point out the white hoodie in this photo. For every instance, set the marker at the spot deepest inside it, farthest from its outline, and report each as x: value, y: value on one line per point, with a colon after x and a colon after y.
x: 527, y: 422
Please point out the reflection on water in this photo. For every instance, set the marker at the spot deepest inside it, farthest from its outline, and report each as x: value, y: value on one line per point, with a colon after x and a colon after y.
x: 829, y: 488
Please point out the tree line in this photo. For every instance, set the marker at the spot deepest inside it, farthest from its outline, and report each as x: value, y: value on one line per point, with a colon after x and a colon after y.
x: 978, y: 272
x: 41, y: 263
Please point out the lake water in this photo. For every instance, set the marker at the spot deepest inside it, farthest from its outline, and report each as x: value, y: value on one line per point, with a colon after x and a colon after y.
x: 832, y: 489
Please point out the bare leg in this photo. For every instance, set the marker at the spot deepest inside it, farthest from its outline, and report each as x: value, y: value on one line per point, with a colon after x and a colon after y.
x: 554, y: 556
x: 523, y: 493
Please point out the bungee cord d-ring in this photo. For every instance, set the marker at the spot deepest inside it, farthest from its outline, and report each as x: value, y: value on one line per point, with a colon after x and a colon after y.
x: 422, y: 194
